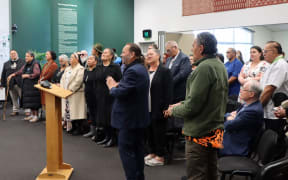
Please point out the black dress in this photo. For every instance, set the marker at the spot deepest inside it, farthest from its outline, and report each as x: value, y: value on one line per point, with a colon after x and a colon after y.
x: 90, y: 94
x: 103, y: 99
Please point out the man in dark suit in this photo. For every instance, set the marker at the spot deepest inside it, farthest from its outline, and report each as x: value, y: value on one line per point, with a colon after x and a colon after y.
x: 180, y: 67
x: 130, y: 111
x: 11, y: 66
x: 241, y: 127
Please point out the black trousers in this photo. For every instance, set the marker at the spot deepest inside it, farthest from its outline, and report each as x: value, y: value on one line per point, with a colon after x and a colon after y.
x: 156, y: 137
x: 92, y: 113
x: 131, y: 149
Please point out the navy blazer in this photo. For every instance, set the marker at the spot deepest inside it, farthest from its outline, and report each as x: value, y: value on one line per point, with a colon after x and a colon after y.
x: 180, y: 70
x: 240, y: 132
x: 130, y: 107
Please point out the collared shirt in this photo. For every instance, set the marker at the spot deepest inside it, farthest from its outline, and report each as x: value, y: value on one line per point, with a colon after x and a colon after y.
x: 233, y: 69
x: 172, y: 60
x: 276, y: 75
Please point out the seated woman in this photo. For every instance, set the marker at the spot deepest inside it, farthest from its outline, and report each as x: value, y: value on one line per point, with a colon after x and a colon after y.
x: 242, y: 127
x: 73, y: 108
x: 30, y: 73
x: 160, y: 97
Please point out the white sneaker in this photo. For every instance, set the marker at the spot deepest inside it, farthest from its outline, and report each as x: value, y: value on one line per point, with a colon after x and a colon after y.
x: 34, y: 119
x: 148, y: 157
x: 27, y: 118
x: 154, y: 162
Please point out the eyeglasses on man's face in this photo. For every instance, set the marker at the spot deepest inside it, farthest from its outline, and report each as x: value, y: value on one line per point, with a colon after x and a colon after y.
x: 265, y: 51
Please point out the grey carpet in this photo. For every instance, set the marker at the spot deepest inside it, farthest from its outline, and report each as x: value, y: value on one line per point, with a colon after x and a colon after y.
x: 23, y: 155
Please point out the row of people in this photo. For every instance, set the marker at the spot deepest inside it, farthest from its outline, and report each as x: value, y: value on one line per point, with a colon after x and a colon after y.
x: 102, y: 79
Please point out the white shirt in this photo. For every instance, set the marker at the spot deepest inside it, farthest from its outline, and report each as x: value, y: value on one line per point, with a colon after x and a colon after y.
x: 151, y: 75
x: 172, y: 60
x: 277, y: 76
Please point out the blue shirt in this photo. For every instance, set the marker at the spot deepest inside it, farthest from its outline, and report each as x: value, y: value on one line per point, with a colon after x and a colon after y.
x: 233, y: 69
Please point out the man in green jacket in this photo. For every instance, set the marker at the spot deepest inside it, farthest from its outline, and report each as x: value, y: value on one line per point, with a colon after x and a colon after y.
x: 203, y: 109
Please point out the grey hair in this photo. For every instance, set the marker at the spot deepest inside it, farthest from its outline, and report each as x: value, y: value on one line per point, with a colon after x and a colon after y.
x: 31, y: 53
x: 64, y: 57
x: 255, y: 87
x: 233, y: 50
x: 171, y: 43
x: 157, y: 51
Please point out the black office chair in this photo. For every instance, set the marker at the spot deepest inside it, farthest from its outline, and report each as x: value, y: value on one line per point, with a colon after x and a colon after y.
x: 276, y: 170
x: 246, y: 166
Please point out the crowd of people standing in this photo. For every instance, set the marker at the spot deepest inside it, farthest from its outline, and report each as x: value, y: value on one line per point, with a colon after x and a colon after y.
x: 132, y: 104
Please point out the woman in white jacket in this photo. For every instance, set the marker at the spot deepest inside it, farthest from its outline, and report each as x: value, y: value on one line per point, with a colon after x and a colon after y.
x: 74, y: 108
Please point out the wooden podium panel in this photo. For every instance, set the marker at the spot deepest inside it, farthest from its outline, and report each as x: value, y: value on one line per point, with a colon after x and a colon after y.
x: 56, y: 168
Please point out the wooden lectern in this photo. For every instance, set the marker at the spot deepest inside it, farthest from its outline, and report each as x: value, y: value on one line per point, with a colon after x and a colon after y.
x: 56, y: 168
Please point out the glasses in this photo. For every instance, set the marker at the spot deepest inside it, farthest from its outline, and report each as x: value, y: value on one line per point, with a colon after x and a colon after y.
x: 267, y: 50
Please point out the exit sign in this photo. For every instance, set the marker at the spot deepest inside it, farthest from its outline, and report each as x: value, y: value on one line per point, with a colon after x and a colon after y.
x: 147, y: 33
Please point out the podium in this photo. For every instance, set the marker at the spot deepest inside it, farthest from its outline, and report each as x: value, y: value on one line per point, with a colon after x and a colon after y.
x: 55, y: 168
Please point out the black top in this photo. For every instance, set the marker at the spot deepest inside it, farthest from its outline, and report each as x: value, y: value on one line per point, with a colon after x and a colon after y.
x: 161, y: 92
x: 103, y: 98
x: 57, y: 76
x: 89, y: 80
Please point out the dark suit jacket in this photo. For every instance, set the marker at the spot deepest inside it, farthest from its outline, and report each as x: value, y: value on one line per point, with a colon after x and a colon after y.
x: 240, y: 132
x: 130, y: 107
x: 161, y: 92
x: 180, y: 70
x: 7, y: 70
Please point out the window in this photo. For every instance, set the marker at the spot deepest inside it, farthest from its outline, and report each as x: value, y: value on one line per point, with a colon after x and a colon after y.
x: 238, y: 38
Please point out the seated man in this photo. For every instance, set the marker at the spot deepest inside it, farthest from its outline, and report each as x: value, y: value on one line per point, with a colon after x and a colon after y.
x: 241, y: 127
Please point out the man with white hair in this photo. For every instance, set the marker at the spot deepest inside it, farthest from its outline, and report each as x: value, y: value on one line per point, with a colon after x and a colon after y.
x: 15, y: 83
x: 180, y: 67
x: 242, y: 126
x: 84, y: 57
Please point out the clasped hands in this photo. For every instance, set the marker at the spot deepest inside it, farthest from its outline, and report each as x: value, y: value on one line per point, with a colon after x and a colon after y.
x: 110, y: 82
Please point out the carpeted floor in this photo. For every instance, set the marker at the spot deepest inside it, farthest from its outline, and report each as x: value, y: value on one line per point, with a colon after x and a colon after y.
x: 23, y: 155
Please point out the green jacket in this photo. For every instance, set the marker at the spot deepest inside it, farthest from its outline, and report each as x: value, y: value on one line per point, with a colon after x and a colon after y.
x: 206, y: 96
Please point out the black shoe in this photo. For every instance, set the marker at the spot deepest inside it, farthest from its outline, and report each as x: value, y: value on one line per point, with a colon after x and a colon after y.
x: 104, y: 141
x: 110, y: 143
x: 76, y: 132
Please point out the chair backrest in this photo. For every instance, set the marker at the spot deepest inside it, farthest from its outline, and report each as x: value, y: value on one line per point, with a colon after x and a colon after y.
x: 267, y: 146
x: 254, y: 143
x: 276, y: 170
